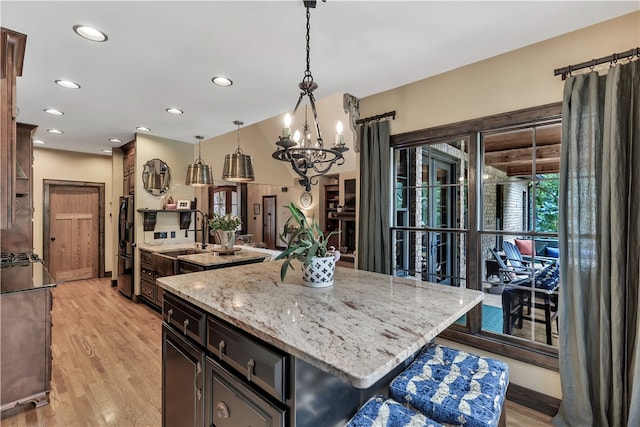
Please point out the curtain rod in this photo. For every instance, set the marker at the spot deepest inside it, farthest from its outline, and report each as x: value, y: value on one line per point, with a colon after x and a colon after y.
x: 629, y: 54
x: 391, y: 114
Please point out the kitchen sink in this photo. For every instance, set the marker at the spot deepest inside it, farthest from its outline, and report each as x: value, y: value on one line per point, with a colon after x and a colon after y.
x: 178, y: 252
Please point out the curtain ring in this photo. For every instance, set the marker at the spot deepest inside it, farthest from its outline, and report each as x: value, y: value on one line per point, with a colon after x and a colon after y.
x: 593, y: 65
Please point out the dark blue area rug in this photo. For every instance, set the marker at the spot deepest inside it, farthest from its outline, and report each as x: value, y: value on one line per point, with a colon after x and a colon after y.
x: 491, y: 319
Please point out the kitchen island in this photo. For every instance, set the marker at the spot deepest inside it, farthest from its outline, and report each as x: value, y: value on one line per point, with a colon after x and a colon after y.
x: 334, y: 347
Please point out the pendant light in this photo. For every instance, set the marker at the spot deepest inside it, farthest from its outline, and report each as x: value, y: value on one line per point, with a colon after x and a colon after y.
x: 238, y: 167
x: 199, y: 174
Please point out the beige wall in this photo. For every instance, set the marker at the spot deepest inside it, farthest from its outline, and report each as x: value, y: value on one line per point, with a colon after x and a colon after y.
x: 515, y: 80
x: 70, y: 166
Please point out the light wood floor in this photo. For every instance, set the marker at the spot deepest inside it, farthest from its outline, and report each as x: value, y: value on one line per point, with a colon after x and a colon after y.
x: 107, y: 364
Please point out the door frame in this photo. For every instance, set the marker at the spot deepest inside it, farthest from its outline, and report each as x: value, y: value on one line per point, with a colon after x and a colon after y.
x: 46, y: 226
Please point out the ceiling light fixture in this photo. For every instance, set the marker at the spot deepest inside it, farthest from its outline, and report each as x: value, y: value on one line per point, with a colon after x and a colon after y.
x: 174, y: 111
x: 90, y: 33
x: 238, y: 167
x: 56, y: 131
x: 143, y: 129
x: 222, y: 81
x: 107, y: 150
x: 68, y: 84
x: 54, y: 112
x: 38, y: 141
x: 309, y: 160
x: 116, y: 140
x: 199, y: 174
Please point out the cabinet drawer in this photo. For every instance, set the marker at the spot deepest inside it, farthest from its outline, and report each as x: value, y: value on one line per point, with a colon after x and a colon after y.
x: 255, y: 361
x: 145, y: 273
x: 148, y: 290
x: 146, y: 258
x: 231, y: 403
x: 185, y: 317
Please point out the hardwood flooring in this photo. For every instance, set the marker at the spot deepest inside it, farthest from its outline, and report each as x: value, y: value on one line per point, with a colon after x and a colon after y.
x: 107, y: 364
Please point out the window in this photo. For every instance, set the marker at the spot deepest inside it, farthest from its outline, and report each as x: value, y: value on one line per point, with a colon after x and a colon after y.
x: 465, y: 195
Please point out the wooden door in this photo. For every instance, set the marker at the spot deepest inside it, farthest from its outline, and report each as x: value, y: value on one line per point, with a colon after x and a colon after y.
x: 269, y: 226
x: 74, y: 232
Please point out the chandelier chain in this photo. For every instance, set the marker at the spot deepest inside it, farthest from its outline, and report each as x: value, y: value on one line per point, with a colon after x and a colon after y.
x: 308, y: 71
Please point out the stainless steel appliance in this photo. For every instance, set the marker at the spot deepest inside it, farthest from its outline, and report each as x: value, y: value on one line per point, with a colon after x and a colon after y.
x: 126, y: 233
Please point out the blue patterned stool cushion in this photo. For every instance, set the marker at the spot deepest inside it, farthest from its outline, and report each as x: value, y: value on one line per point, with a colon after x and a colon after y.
x: 453, y: 387
x: 382, y: 412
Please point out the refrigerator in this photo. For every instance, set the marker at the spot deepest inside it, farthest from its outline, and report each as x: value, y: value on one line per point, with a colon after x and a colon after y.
x: 126, y: 244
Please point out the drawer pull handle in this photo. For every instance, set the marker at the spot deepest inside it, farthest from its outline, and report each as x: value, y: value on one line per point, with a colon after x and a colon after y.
x: 184, y: 326
x: 250, y: 365
x: 222, y: 411
x: 169, y: 314
x: 221, y: 346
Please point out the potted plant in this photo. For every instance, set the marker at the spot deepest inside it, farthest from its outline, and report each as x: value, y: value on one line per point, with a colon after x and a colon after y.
x: 225, y: 226
x: 307, y: 243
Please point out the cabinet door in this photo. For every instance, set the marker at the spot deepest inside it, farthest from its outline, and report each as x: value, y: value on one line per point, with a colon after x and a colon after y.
x: 230, y: 403
x: 182, y: 381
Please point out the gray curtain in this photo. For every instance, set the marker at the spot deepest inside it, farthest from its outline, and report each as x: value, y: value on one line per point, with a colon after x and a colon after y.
x: 374, y: 247
x: 600, y: 249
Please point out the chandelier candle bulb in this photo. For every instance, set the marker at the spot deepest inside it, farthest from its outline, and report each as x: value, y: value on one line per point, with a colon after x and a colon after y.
x: 286, y: 130
x: 339, y: 136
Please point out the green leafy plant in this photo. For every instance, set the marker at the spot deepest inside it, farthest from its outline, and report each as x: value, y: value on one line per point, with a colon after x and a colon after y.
x: 305, y: 239
x: 226, y: 222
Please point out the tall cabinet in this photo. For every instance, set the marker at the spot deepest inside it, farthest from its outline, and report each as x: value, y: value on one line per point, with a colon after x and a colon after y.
x: 331, y: 203
x: 12, y: 46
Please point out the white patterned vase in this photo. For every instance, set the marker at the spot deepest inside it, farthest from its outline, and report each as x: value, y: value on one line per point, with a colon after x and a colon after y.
x: 227, y: 239
x: 319, y: 272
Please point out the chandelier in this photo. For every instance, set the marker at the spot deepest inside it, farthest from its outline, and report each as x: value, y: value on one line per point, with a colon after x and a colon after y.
x: 308, y: 159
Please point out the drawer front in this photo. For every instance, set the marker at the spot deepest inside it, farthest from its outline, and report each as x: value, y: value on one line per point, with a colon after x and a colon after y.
x: 185, y: 317
x: 254, y: 361
x: 232, y: 404
x: 145, y: 258
x: 148, y: 290
x: 148, y: 274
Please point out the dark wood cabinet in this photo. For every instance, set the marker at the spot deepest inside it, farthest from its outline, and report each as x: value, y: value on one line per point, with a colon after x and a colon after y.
x: 129, y: 168
x: 331, y: 203
x: 182, y: 381
x: 12, y: 46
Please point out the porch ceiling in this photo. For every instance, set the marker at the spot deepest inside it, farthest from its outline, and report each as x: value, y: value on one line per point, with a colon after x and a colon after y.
x: 513, y: 151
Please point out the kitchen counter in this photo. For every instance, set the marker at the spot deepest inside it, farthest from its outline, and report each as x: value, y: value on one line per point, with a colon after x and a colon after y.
x: 359, y: 330
x: 25, y: 277
x: 211, y: 259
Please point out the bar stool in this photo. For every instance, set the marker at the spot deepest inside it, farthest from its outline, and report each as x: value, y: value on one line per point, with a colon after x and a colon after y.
x: 454, y: 387
x: 380, y: 411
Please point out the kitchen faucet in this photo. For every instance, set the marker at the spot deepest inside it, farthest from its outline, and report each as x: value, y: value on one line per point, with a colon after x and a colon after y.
x: 205, y: 228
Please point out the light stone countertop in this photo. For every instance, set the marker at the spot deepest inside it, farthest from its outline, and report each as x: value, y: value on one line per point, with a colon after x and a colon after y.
x: 208, y: 259
x: 171, y: 247
x: 358, y: 330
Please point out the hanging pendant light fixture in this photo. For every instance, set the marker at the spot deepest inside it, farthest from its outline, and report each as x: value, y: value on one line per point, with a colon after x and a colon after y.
x: 199, y: 174
x: 308, y: 159
x: 238, y: 167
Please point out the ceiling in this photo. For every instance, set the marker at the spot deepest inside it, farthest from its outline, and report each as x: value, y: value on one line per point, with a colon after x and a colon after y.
x: 163, y: 54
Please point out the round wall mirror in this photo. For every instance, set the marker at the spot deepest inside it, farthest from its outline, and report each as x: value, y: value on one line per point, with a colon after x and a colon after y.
x: 156, y: 177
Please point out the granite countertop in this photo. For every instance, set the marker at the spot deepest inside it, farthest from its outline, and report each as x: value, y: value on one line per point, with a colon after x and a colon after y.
x: 358, y: 330
x: 172, y: 247
x: 208, y: 259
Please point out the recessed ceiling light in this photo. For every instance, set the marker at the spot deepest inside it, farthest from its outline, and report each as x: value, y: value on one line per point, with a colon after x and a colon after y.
x: 54, y: 131
x: 117, y: 140
x: 38, y: 141
x: 107, y: 150
x: 90, y: 33
x: 143, y: 129
x: 222, y: 81
x: 54, y: 112
x: 68, y: 84
x: 174, y: 111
